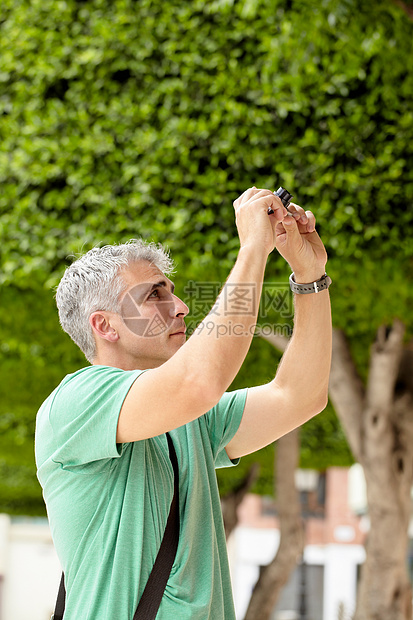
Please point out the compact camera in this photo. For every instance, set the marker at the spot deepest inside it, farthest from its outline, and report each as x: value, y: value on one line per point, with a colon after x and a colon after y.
x: 284, y: 196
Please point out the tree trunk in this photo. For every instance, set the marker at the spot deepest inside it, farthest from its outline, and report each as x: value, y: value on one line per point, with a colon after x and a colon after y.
x: 378, y: 422
x: 407, y: 8
x: 232, y: 500
x: 385, y: 592
x: 379, y: 425
x: 274, y: 576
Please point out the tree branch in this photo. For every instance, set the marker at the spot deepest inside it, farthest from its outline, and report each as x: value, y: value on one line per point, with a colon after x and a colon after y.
x: 276, y: 574
x: 386, y: 354
x: 347, y: 392
x: 404, y: 7
x: 401, y: 418
x: 232, y: 500
x: 277, y: 340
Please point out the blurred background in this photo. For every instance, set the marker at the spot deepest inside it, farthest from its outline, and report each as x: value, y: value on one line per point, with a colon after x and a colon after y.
x: 122, y: 119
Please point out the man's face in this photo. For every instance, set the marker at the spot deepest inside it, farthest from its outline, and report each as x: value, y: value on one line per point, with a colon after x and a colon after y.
x: 152, y: 326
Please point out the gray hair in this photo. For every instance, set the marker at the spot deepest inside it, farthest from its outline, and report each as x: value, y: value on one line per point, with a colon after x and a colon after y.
x: 93, y: 282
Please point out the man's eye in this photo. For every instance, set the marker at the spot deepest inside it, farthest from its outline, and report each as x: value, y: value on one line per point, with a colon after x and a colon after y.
x: 154, y: 293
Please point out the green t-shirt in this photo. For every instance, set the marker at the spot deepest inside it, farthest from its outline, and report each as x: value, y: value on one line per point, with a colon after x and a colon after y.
x: 108, y: 503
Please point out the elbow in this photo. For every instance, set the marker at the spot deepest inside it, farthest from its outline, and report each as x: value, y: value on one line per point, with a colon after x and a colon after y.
x: 206, y: 394
x: 315, y: 405
x: 320, y: 403
x: 212, y: 383
x: 213, y: 393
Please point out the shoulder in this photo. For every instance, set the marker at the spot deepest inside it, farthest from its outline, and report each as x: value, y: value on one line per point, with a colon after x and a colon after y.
x: 94, y: 380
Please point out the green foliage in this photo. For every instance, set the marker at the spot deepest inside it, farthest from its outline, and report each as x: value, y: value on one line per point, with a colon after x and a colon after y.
x: 323, y: 443
x: 34, y: 357
x: 121, y: 119
x: 228, y: 479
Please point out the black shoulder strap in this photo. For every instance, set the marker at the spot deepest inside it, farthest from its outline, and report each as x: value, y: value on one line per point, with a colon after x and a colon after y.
x: 156, y: 584
x: 152, y: 595
x: 61, y: 600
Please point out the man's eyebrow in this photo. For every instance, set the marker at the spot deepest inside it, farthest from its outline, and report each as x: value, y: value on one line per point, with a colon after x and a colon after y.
x: 163, y: 283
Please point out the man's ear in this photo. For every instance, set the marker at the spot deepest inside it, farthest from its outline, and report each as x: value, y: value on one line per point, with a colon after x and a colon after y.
x: 102, y: 327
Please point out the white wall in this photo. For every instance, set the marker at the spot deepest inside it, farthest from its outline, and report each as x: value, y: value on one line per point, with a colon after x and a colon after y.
x: 248, y: 549
x: 340, y: 574
x: 29, y: 568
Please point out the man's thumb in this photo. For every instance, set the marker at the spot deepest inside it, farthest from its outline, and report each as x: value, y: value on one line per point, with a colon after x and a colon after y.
x: 290, y: 225
x: 287, y: 232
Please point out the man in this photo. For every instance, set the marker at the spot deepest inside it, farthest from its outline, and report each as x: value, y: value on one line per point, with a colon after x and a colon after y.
x: 101, y: 448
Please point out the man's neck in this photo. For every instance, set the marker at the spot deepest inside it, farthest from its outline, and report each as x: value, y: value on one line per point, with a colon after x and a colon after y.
x: 126, y: 362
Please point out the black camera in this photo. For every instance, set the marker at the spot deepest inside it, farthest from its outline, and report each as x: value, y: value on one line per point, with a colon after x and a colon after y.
x: 284, y: 196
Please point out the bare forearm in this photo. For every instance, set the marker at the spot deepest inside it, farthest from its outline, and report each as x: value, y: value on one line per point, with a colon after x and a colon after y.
x: 305, y: 366
x: 217, y: 348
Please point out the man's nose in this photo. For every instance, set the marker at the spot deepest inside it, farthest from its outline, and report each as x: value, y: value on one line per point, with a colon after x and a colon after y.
x: 180, y: 307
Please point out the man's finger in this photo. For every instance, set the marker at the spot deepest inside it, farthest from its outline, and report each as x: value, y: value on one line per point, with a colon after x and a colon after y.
x: 272, y: 203
x: 295, y: 210
x: 245, y: 196
x: 305, y: 219
x: 310, y: 221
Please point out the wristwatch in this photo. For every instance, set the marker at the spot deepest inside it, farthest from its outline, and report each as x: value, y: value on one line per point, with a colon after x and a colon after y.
x: 312, y: 287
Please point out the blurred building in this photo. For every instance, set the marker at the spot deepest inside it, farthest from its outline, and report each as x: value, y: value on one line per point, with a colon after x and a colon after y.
x: 324, y: 584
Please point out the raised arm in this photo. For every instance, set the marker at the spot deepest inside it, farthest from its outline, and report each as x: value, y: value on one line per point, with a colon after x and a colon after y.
x: 300, y: 387
x: 196, y: 376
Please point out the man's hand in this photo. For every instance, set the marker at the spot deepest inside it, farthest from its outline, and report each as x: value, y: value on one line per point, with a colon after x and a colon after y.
x: 255, y: 227
x: 291, y: 232
x: 298, y: 242
x: 299, y: 389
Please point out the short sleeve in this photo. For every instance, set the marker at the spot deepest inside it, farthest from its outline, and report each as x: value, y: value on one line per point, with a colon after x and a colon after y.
x: 223, y: 421
x: 84, y: 415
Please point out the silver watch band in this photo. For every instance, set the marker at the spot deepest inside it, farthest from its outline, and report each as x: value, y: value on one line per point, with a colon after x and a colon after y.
x: 312, y: 287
